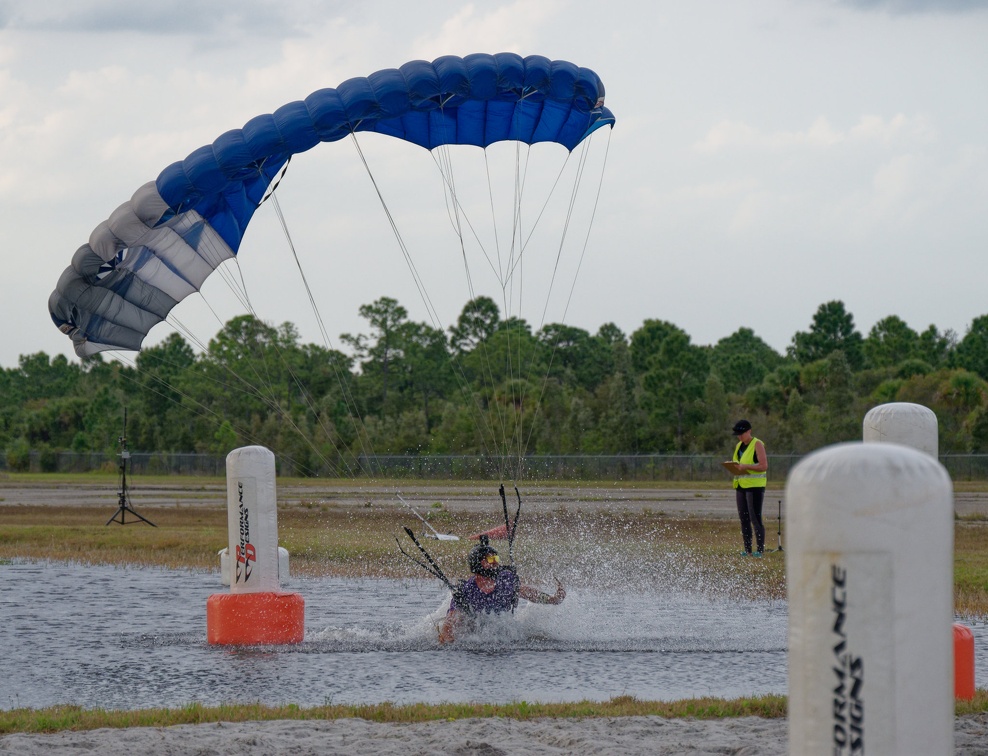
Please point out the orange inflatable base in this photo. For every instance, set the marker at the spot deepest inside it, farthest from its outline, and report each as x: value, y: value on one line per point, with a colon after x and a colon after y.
x: 963, y: 662
x: 250, y: 619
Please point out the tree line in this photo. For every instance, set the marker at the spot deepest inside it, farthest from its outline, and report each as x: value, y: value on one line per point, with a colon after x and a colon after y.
x: 492, y: 385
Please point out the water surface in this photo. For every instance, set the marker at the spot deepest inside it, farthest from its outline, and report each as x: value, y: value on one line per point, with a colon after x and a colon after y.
x: 127, y: 638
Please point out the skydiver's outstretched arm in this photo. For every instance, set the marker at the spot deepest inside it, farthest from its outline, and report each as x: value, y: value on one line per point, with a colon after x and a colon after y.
x: 536, y: 596
x: 447, y: 630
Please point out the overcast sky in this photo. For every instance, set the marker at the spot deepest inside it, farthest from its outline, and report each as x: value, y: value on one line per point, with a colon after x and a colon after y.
x: 769, y: 156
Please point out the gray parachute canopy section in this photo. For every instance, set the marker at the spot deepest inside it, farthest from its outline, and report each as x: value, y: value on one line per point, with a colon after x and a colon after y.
x: 137, y: 266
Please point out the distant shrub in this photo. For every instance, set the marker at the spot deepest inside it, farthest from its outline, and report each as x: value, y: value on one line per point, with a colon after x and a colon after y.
x: 19, y: 456
x: 48, y: 459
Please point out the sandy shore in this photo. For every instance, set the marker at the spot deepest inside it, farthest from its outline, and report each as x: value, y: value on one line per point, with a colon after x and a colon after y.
x: 487, y: 737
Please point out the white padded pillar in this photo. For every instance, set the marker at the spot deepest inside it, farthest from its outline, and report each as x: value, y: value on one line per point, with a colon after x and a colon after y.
x: 869, y: 569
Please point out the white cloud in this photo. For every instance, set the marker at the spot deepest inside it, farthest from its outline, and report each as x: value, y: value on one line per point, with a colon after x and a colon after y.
x: 728, y: 134
x: 736, y: 135
x: 177, y: 17
x: 512, y: 27
x: 820, y: 134
x: 918, y: 6
x: 756, y: 212
x: 898, y: 128
x: 716, y: 190
x: 898, y: 178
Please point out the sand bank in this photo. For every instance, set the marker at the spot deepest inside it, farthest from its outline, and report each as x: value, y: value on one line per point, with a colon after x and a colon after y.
x: 490, y: 737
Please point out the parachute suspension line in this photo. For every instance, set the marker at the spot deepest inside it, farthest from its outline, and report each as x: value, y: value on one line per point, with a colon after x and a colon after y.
x: 269, y: 399
x: 510, y: 292
x: 505, y: 269
x: 486, y: 421
x: 490, y: 196
x: 239, y: 292
x: 320, y: 322
x: 511, y: 437
x: 458, y: 215
x: 583, y: 252
x: 263, y: 389
x: 520, y: 178
x: 593, y: 215
x: 503, y: 274
x: 495, y: 417
x: 199, y: 409
x: 298, y: 264
x: 513, y: 293
x: 241, y: 295
x: 185, y: 331
x: 494, y: 420
x: 352, y: 410
x: 239, y: 289
x: 544, y: 383
x: 276, y: 181
x: 511, y: 449
x: 456, y: 212
x: 512, y: 303
x: 189, y: 334
x: 442, y: 156
x: 545, y: 205
x: 519, y: 244
x: 417, y: 279
x: 444, y: 163
x: 517, y: 384
x: 506, y: 439
x: 562, y: 239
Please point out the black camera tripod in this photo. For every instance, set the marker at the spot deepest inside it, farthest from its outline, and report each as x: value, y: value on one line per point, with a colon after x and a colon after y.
x: 124, y: 496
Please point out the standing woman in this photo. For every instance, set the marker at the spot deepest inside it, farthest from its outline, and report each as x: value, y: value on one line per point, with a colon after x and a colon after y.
x: 749, y: 485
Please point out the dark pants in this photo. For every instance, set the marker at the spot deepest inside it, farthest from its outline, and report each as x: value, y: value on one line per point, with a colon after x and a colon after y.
x: 750, y: 511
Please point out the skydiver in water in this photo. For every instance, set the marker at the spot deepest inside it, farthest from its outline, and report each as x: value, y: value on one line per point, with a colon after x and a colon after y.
x: 491, y: 589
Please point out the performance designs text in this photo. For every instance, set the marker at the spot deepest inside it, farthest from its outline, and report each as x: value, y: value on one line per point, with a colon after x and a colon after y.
x: 246, y: 553
x: 848, y: 705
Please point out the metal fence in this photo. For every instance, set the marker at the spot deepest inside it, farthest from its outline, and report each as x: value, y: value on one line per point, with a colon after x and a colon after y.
x: 617, y: 467
x: 629, y: 467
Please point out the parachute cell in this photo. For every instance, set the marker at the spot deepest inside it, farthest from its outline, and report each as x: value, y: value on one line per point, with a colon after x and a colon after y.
x: 161, y: 246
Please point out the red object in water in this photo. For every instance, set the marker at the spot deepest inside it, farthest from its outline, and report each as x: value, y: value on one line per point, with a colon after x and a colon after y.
x: 501, y: 531
x: 963, y: 662
x: 249, y: 619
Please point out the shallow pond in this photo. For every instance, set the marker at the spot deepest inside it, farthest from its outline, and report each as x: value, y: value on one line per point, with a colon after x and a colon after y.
x: 136, y: 638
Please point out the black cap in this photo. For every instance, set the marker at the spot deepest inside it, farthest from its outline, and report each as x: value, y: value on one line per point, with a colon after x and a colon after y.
x: 741, y: 426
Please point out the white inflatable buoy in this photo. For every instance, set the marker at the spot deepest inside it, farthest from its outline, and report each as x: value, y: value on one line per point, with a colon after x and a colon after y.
x: 870, y: 582
x: 903, y: 423
x: 916, y: 426
x: 255, y: 611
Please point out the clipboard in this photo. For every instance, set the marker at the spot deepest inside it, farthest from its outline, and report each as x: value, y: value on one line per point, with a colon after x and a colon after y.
x: 734, y: 468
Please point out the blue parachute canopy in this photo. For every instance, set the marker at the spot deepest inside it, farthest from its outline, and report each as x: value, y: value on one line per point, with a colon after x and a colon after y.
x: 160, y: 246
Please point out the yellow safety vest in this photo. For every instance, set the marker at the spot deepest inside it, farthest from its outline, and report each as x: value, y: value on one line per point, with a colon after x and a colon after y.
x: 749, y: 479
